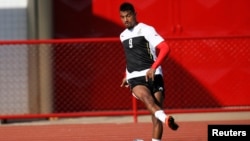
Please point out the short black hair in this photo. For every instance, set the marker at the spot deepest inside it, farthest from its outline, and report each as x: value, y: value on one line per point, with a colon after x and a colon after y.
x: 126, y: 6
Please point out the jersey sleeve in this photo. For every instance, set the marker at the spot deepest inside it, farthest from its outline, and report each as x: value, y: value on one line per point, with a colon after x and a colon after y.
x: 152, y: 36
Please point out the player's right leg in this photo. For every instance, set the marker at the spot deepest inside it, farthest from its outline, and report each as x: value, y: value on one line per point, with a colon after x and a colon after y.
x: 171, y: 123
x: 141, y: 91
x: 144, y: 95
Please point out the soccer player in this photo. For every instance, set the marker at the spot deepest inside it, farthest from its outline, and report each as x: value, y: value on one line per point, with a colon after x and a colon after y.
x: 143, y: 71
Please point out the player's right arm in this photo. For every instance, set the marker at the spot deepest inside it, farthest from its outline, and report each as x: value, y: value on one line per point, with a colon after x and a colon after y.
x: 124, y: 82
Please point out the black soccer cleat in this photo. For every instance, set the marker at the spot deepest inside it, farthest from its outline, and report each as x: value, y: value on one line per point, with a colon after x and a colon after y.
x: 171, y: 124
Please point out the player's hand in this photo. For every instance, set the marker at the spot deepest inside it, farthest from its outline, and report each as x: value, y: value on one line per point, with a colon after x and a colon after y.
x: 124, y: 83
x: 150, y: 74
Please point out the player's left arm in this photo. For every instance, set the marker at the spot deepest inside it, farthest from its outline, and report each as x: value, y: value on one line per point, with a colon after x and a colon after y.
x: 159, y: 43
x: 163, y: 51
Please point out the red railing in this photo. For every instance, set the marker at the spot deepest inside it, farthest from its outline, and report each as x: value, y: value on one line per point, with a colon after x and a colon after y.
x: 81, y: 77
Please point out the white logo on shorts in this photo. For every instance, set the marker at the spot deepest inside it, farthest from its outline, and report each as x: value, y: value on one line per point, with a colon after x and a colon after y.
x: 160, y: 89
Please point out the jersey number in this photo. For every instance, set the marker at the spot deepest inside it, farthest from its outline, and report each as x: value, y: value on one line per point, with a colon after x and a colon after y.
x: 130, y: 42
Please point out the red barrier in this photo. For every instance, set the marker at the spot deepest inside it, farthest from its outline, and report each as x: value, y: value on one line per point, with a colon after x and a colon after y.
x: 205, y: 74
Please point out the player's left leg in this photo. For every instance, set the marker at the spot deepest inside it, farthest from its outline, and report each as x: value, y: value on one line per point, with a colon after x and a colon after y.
x: 157, y: 129
x: 157, y: 124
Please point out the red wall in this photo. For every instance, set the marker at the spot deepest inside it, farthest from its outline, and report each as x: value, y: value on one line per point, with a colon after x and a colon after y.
x: 174, y: 19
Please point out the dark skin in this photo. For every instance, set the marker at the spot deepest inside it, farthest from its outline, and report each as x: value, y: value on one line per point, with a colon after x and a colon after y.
x: 152, y: 102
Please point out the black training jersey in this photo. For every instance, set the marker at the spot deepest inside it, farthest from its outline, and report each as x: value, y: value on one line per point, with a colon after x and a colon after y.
x: 139, y: 45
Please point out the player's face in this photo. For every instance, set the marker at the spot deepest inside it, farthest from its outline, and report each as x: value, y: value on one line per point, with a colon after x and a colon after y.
x: 128, y: 18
